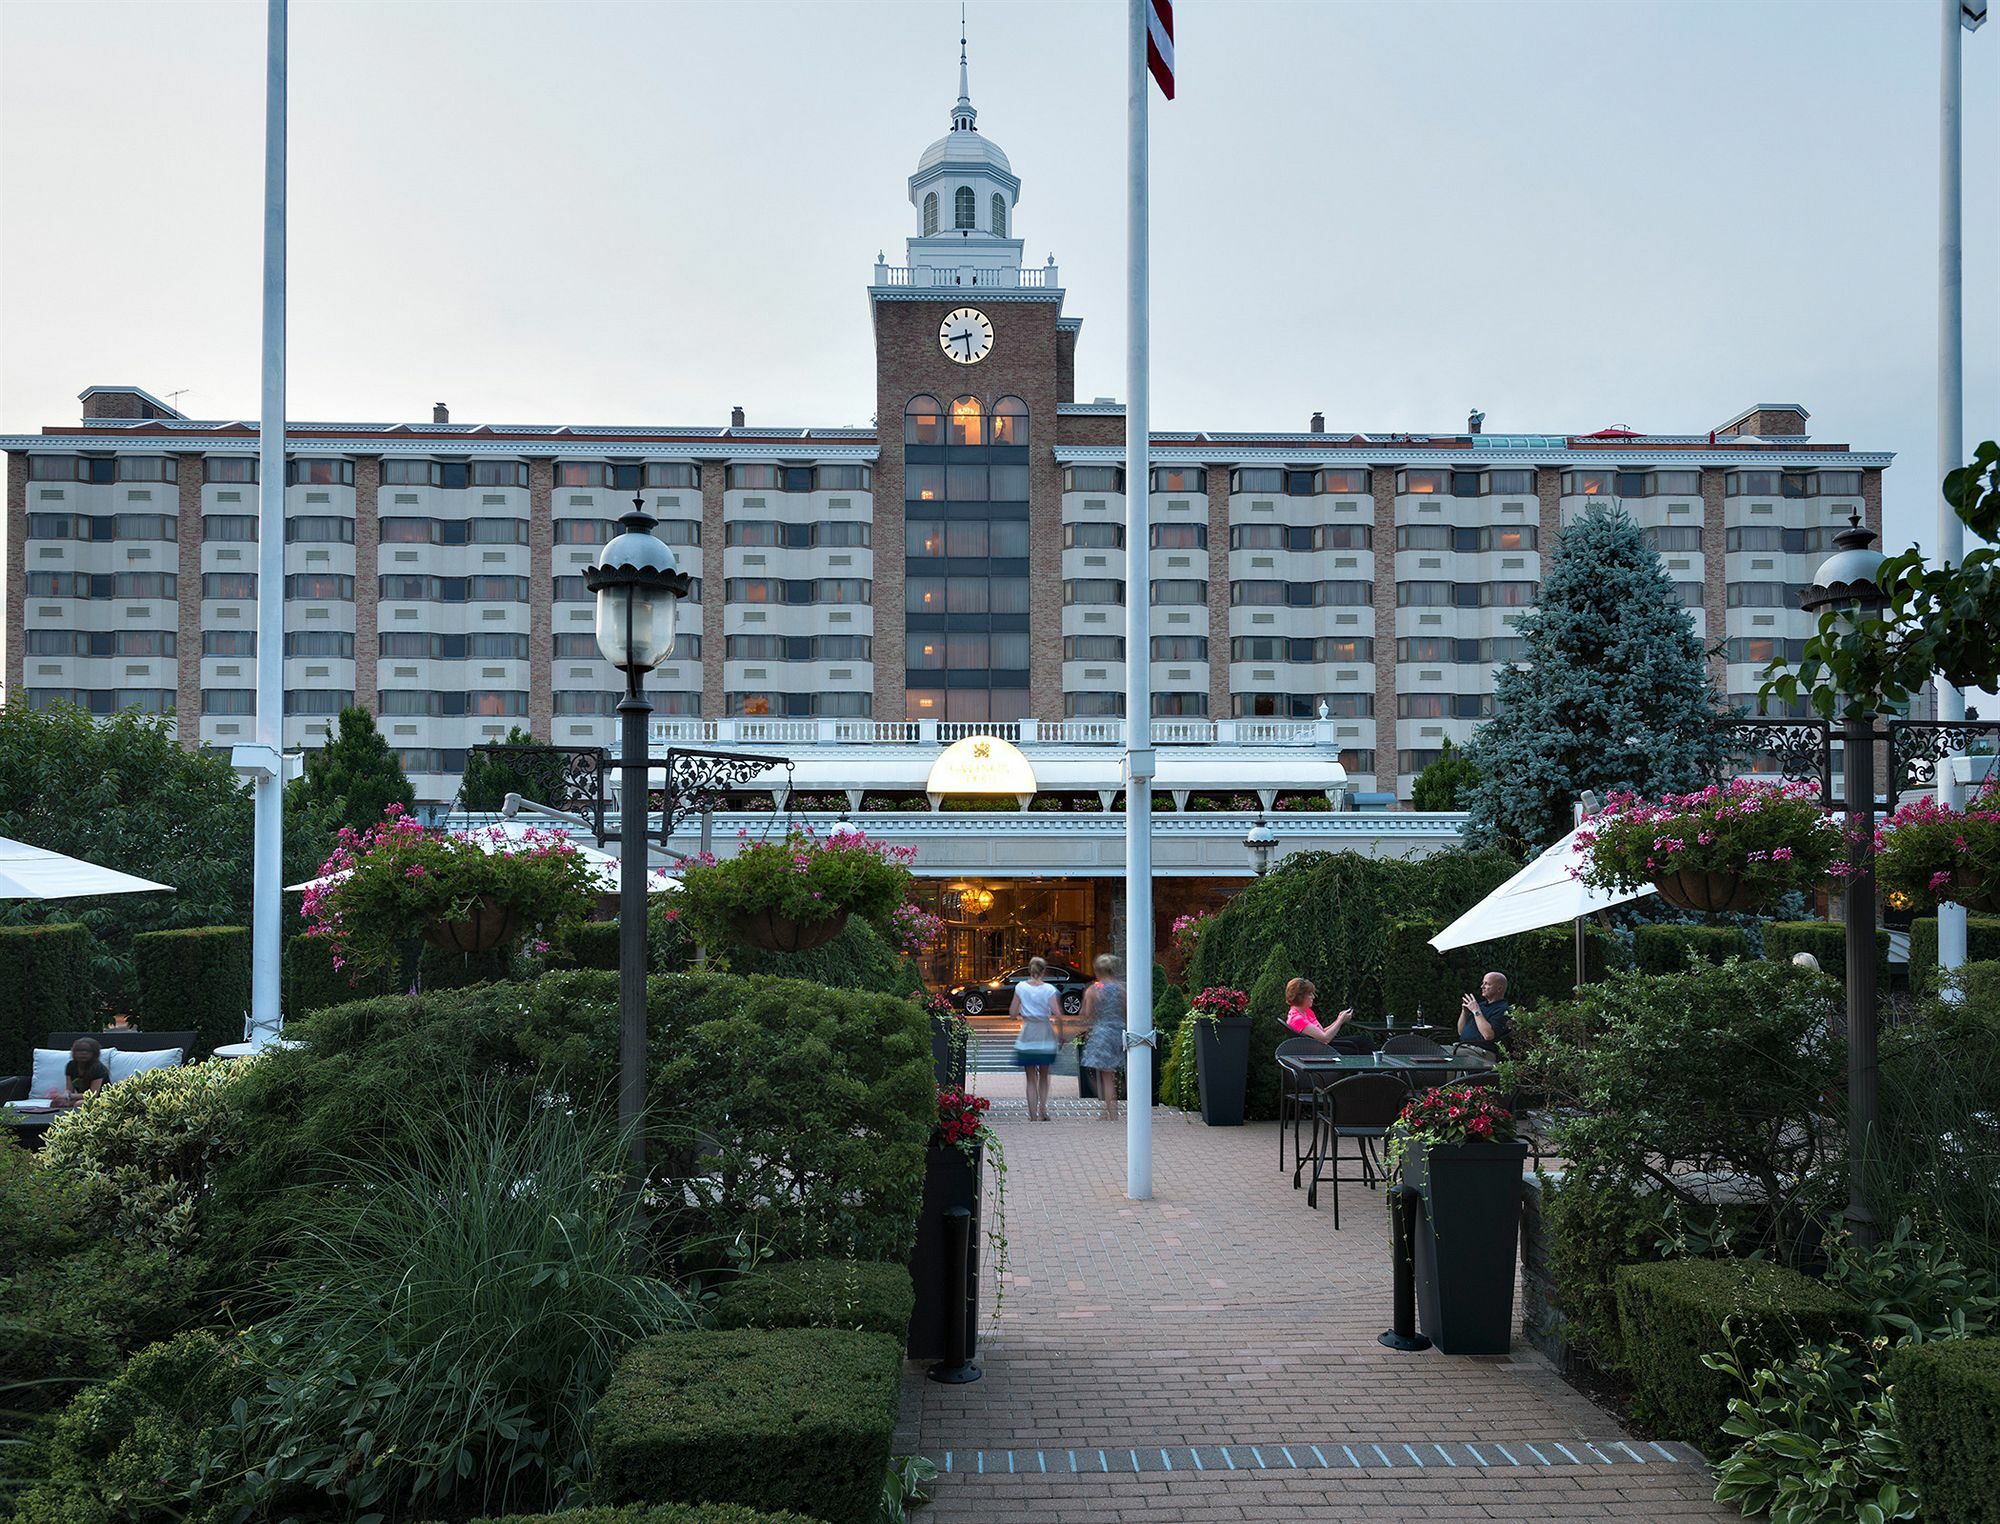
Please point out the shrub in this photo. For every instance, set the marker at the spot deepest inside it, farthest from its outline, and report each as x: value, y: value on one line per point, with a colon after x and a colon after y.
x: 1671, y: 949
x: 1825, y: 940
x: 1267, y: 1029
x: 1935, y: 1158
x: 195, y: 980
x: 1180, y: 1083
x: 1982, y: 944
x: 1592, y: 1227
x: 1947, y: 1415
x: 44, y: 988
x: 857, y: 959
x: 821, y: 1293
x: 1540, y: 967
x: 593, y: 944
x: 699, y: 1418
x: 312, y: 983
x: 802, y: 879
x: 1670, y: 1315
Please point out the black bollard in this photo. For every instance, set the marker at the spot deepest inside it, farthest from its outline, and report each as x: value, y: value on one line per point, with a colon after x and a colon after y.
x: 956, y: 1368
x: 1403, y: 1246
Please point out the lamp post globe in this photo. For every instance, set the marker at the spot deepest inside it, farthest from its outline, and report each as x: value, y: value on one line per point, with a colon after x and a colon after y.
x: 1260, y: 841
x: 639, y: 588
x: 1846, y: 582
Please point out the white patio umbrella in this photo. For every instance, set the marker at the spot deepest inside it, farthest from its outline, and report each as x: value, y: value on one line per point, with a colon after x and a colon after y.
x: 1545, y: 893
x: 35, y: 873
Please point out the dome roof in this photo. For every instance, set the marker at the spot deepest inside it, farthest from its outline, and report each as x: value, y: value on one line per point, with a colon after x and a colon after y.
x: 965, y: 146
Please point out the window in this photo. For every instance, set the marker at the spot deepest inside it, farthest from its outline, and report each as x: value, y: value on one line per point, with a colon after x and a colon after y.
x: 1093, y: 706
x: 409, y: 473
x: 965, y: 483
x: 1763, y: 649
x: 1092, y: 590
x: 320, y: 473
x: 930, y: 215
x: 1257, y: 479
x: 229, y: 701
x: 453, y: 475
x: 1423, y: 537
x: 1689, y: 593
x: 1423, y: 483
x: 1466, y: 484
x: 753, y: 478
x: 1587, y: 483
x: 318, y: 700
x: 1512, y: 537
x: 579, y: 473
x: 1349, y: 479
x: 1180, y: 479
x: 843, y: 478
x: 232, y: 642
x: 625, y: 476
x: 491, y: 703
x: 965, y: 423
x: 1509, y: 595
x: 753, y: 532
x: 1835, y: 483
x: 496, y: 531
x: 1259, y: 648
x: 1502, y: 483
x: 1751, y: 484
x: 1009, y: 425
x: 1094, y: 647
x: 1180, y: 705
x: 229, y: 468
x: 229, y: 585
x: 1093, y: 479
x: 843, y: 590
x: 494, y: 589
x: 1099, y: 535
x: 1179, y: 590
x: 1257, y: 594
x: 148, y: 468
x: 1424, y: 595
x: 1180, y: 536
x: 1796, y: 484
x: 1344, y: 648
x: 1676, y: 484
x: 1763, y: 595
x: 1342, y: 594
x: 1674, y: 537
x: 1256, y: 536
x: 672, y: 473
x: 1344, y: 537
x: 961, y: 207
x: 1631, y: 484
x: 923, y: 422
x: 319, y: 585
x: 338, y: 644
x: 1301, y: 483
x: 796, y: 478
x: 1176, y: 648
x: 748, y: 590
x: 54, y: 468
x: 499, y: 473
x: 999, y: 216
x: 317, y: 529
x: 844, y: 533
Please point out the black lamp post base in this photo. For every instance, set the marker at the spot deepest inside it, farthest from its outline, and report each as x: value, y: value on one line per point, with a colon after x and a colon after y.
x: 954, y: 1375
x: 1406, y: 1342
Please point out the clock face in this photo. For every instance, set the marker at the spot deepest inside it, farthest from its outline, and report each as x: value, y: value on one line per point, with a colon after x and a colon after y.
x: 966, y: 334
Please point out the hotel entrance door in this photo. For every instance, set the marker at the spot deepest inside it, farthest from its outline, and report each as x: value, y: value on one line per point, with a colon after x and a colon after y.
x: 996, y: 925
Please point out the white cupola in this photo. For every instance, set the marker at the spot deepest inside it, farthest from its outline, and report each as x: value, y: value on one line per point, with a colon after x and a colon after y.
x: 965, y: 192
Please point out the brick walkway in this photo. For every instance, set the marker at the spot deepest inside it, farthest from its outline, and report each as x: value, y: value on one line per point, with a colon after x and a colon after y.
x: 1212, y: 1354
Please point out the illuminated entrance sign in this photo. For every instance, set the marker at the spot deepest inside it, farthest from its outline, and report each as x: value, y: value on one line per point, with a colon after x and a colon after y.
x: 981, y: 765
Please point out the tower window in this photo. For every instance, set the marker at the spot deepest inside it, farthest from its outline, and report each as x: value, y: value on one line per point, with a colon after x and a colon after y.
x: 930, y: 215
x: 999, y: 216
x: 962, y: 204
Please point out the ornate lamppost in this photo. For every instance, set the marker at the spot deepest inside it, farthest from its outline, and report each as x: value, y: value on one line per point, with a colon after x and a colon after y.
x: 639, y: 588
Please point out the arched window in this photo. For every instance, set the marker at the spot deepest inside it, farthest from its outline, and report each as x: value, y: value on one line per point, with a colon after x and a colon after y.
x: 999, y: 216
x: 1009, y: 424
x: 962, y: 204
x: 923, y: 422
x: 930, y: 215
x: 965, y: 426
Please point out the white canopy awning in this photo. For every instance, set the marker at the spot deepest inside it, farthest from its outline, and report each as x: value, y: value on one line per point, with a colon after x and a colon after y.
x: 34, y: 873
x: 1545, y: 893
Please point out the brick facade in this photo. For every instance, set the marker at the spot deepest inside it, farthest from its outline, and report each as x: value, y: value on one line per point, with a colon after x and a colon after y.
x: 714, y: 481
x: 1714, y: 576
x: 1219, y: 706
x: 17, y: 570
x: 1387, y: 732
x: 541, y: 598
x: 367, y: 580
x: 187, y: 642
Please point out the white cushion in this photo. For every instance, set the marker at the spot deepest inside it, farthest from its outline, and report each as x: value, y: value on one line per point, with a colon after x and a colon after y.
x: 48, y: 1072
x: 124, y: 1065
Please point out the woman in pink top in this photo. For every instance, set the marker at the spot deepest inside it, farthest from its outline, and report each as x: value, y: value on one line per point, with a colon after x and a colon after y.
x: 1299, y: 995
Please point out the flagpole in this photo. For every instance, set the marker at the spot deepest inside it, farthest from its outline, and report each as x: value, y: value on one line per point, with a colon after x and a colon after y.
x: 268, y: 790
x: 1138, y: 673
x: 1951, y: 395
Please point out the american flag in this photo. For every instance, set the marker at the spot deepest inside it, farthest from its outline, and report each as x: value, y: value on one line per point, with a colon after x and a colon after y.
x: 1160, y: 44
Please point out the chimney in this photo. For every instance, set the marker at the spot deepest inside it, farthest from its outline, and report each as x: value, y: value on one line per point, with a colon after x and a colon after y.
x: 440, y: 413
x: 736, y: 418
x: 1319, y: 423
x: 1473, y: 420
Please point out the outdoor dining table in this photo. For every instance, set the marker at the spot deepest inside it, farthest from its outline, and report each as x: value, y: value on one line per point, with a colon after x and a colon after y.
x: 1317, y: 1073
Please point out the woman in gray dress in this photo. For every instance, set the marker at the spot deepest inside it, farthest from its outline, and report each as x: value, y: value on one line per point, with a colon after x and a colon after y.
x: 1104, y: 1012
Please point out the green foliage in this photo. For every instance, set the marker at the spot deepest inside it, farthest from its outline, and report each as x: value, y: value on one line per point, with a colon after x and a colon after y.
x: 1673, y: 948
x: 1982, y: 944
x: 1613, y: 692
x: 857, y: 959
x: 800, y: 879
x: 490, y: 776
x: 1825, y: 940
x: 593, y: 944
x: 155, y: 1141
x: 120, y: 792
x: 195, y: 980
x: 1594, y: 1226
x: 1332, y: 910
x: 1540, y: 967
x: 1775, y: 837
x: 1939, y: 621
x: 350, y: 782
x: 1268, y: 1007
x: 44, y: 988
x: 1936, y: 1158
x: 1947, y: 1415
x: 1180, y: 1083
x: 701, y: 1417
x: 1671, y: 1315
x: 454, y: 1353
x: 1447, y: 782
x: 312, y: 983
x: 820, y: 1293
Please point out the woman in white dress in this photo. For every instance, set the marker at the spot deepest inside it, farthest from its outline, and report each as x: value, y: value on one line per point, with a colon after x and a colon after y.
x: 1036, y: 1005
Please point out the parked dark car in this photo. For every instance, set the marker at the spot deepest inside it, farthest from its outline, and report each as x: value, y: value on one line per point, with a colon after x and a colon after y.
x: 995, y: 995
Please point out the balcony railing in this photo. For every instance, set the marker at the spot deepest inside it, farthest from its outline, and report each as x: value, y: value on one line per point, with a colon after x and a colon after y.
x: 765, y: 730
x: 1043, y: 278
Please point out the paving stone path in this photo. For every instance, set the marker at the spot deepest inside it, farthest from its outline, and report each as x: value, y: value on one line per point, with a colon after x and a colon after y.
x: 1212, y: 1355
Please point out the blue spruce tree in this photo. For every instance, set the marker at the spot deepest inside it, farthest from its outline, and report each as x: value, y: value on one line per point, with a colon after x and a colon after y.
x: 1613, y: 691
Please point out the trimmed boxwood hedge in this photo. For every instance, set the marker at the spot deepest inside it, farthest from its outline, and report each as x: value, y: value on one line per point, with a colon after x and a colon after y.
x: 195, y: 980
x: 1540, y: 967
x: 821, y: 1293
x: 44, y: 988
x: 594, y: 944
x: 798, y: 1418
x: 1982, y: 944
x: 1825, y: 940
x: 1672, y: 949
x: 1948, y: 1418
x: 1671, y: 1314
x: 657, y: 1513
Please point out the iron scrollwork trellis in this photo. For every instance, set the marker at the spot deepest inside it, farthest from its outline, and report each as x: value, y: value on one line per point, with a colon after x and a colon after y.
x: 1804, y: 748
x: 576, y: 780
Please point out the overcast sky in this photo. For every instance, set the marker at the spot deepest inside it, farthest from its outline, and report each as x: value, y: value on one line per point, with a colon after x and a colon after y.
x: 1569, y: 215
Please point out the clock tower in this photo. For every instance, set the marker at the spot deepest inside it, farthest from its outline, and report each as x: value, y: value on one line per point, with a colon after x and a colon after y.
x: 972, y: 358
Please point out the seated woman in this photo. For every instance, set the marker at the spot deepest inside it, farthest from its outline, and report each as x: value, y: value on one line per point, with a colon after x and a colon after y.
x: 85, y: 1073
x: 1299, y: 994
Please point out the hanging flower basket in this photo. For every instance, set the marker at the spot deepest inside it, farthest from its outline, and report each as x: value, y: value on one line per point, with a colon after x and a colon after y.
x: 780, y: 933
x: 1932, y: 854
x: 1727, y: 849
x: 483, y: 929
x: 797, y: 893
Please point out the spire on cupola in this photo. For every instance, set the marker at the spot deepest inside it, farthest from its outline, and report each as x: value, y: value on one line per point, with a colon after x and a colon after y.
x: 962, y: 115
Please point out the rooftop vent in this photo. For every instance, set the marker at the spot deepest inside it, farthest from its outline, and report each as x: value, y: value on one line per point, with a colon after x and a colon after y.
x: 1319, y: 423
x: 736, y: 418
x: 440, y: 413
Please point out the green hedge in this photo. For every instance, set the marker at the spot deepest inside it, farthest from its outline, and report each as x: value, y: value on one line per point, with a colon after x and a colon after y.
x: 797, y: 1418
x: 1671, y: 949
x: 195, y: 980
x: 658, y: 1513
x: 1671, y: 1314
x: 1982, y: 944
x: 44, y: 988
x: 594, y: 944
x: 312, y: 983
x: 1948, y: 1418
x: 1825, y: 940
x: 1540, y: 967
x: 821, y: 1293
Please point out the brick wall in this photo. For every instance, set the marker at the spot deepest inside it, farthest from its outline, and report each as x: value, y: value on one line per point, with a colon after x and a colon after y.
x: 541, y: 599
x: 187, y: 640
x: 17, y: 571
x: 368, y: 580
x: 117, y: 405
x: 1714, y: 575
x: 714, y: 480
x: 1386, y: 730
x: 1218, y: 593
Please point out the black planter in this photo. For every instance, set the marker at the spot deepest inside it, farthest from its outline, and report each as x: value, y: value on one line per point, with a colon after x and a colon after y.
x: 949, y: 1181
x: 1222, y: 1067
x: 948, y: 1053
x: 1468, y: 1232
